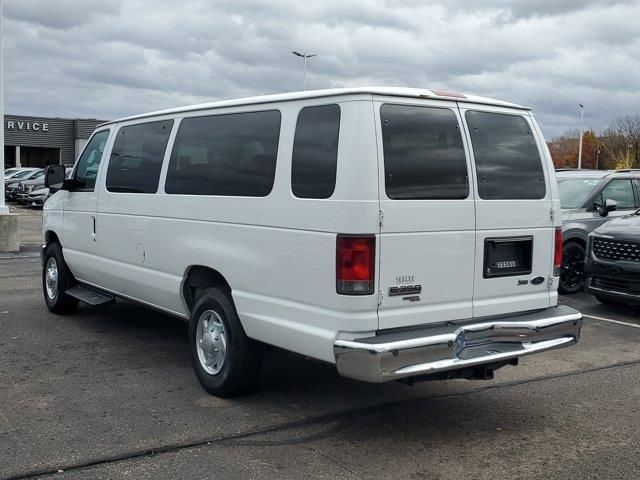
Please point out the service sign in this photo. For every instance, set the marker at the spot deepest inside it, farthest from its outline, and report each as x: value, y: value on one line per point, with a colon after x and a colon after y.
x: 28, y: 126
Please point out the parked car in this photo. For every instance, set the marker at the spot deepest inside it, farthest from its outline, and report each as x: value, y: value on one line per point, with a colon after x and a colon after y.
x: 17, y: 173
x: 27, y: 186
x: 14, y: 189
x: 37, y: 197
x: 11, y: 185
x: 39, y: 194
x: 583, y: 197
x: 371, y: 228
x: 9, y: 172
x: 613, y: 261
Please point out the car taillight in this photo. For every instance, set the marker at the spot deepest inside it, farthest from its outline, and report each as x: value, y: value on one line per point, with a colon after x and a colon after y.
x: 557, y: 253
x: 355, y: 264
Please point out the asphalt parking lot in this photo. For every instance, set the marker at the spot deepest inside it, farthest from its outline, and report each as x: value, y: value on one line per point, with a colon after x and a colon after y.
x: 110, y: 393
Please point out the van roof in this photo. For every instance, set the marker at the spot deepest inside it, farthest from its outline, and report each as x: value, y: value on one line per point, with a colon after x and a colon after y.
x: 331, y: 92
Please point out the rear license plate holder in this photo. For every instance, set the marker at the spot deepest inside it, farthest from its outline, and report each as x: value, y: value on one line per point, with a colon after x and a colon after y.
x: 507, y: 256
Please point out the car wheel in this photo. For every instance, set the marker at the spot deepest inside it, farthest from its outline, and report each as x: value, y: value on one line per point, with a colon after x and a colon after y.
x: 572, y: 272
x: 56, y: 279
x: 226, y: 361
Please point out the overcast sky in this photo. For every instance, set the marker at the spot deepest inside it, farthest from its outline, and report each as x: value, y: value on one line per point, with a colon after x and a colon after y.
x: 112, y: 58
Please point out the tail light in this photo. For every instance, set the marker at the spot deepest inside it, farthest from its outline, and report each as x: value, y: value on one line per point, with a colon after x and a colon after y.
x: 355, y: 264
x: 557, y: 253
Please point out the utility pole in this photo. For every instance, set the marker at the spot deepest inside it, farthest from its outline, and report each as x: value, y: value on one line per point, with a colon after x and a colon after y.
x: 304, y: 57
x: 581, y: 133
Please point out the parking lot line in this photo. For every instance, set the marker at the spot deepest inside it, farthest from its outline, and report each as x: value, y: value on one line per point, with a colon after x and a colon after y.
x: 611, y: 321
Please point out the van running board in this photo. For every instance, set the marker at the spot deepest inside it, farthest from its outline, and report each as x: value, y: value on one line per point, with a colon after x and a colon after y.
x: 89, y: 295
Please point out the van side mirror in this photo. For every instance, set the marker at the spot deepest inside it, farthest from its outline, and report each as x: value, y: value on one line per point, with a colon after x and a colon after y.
x: 609, y: 206
x: 54, y: 178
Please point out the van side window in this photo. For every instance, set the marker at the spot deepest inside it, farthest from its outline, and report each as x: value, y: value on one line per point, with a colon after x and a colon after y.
x: 508, y: 162
x: 232, y: 155
x: 424, y: 157
x: 136, y: 157
x: 315, y: 152
x: 89, y: 161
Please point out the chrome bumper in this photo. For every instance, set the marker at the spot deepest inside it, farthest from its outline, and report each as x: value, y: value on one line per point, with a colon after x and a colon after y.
x: 456, y: 345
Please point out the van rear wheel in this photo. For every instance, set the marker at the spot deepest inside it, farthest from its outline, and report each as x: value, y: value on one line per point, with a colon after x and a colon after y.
x: 226, y: 361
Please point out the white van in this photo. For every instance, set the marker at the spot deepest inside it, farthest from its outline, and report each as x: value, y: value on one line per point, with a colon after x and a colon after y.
x: 397, y: 233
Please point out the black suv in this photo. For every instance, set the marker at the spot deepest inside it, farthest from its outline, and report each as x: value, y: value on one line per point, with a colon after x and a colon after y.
x: 588, y: 199
x: 612, y: 264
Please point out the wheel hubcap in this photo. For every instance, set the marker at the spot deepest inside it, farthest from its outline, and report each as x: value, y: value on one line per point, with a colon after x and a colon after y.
x: 211, y: 342
x: 51, y: 278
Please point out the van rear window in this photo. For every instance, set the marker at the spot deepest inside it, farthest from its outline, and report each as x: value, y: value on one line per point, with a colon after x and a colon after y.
x: 508, y: 162
x: 315, y: 152
x: 423, y: 153
x: 231, y: 155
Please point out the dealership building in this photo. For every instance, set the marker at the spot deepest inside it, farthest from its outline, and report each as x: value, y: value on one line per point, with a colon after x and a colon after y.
x: 42, y: 141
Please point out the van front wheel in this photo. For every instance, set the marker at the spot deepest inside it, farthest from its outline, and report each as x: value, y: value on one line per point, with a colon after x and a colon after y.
x: 56, y: 279
x: 226, y: 361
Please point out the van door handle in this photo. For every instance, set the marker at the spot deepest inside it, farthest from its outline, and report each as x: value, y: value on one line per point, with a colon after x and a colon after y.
x: 93, y: 228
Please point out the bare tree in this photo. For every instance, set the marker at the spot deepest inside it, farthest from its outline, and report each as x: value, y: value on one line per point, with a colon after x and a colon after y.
x: 621, y: 141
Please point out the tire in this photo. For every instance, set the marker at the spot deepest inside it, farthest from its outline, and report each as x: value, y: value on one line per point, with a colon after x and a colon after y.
x: 572, y: 271
x: 56, y: 279
x: 214, y: 327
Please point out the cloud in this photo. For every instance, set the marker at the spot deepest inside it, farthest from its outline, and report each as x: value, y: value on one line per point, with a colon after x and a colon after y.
x: 113, y: 58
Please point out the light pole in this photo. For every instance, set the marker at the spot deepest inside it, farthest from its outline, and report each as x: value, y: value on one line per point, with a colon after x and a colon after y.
x: 304, y: 56
x: 3, y: 208
x: 581, y: 133
x: 9, y: 228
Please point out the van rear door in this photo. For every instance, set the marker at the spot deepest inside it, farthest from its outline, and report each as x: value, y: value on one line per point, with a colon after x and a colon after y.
x: 427, y: 232
x: 514, y: 225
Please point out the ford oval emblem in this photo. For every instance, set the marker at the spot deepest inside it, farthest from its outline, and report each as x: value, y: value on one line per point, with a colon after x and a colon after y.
x: 537, y: 280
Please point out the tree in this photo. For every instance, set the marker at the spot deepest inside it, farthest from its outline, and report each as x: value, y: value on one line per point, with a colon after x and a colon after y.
x: 564, y: 150
x: 621, y: 141
x: 618, y: 147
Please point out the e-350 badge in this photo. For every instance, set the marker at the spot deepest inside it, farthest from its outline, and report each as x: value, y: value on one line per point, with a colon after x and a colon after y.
x: 405, y: 290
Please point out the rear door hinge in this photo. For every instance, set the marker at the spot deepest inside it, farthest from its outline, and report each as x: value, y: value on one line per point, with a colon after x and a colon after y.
x: 380, y: 297
x: 380, y: 217
x: 550, y: 282
x: 552, y: 214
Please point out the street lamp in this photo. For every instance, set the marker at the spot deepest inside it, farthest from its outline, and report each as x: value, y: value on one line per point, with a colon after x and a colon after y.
x: 3, y: 208
x: 304, y: 56
x: 581, y: 133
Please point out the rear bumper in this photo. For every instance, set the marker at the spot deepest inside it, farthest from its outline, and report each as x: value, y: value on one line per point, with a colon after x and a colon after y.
x: 456, y: 345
